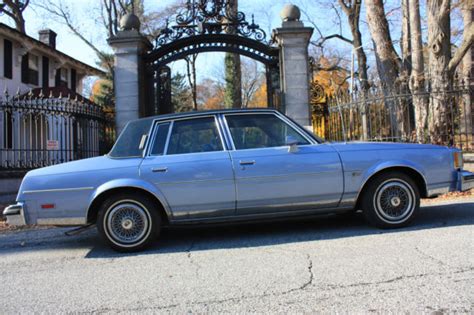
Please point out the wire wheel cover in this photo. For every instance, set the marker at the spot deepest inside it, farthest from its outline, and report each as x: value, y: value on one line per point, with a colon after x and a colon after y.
x: 394, y: 200
x: 127, y: 223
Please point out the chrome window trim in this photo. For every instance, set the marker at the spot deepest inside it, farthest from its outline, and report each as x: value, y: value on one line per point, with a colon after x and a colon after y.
x: 224, y: 130
x: 153, y: 138
x: 296, y: 128
x: 168, y: 136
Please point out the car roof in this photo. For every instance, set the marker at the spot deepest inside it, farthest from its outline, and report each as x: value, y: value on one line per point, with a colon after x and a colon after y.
x: 208, y: 112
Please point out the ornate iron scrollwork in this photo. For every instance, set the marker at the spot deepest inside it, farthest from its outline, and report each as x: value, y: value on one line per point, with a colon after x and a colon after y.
x: 209, y: 17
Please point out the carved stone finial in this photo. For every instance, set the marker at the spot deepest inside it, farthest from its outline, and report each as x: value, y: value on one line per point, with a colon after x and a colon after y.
x: 290, y: 12
x: 130, y: 22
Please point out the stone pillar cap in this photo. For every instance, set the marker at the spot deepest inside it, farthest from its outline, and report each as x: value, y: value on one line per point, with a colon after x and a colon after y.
x: 290, y: 12
x: 130, y: 22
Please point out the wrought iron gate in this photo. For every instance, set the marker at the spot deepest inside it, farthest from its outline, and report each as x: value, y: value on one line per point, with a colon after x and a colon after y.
x: 206, y: 26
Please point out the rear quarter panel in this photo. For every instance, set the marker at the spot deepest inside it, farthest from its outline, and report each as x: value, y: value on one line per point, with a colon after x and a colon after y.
x: 362, y: 160
x: 71, y: 188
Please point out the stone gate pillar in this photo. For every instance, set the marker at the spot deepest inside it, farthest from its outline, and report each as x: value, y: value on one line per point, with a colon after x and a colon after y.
x: 129, y: 45
x: 293, y: 40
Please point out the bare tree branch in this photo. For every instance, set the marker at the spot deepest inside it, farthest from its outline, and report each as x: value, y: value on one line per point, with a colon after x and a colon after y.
x: 14, y: 9
x: 64, y: 17
x: 313, y: 24
x: 321, y: 42
x: 468, y: 40
x: 338, y: 17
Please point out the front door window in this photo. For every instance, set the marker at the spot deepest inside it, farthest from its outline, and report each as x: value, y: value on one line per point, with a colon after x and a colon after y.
x: 253, y: 131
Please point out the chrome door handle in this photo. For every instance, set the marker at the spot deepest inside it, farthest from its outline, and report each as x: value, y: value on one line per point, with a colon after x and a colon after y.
x: 247, y: 162
x: 159, y: 169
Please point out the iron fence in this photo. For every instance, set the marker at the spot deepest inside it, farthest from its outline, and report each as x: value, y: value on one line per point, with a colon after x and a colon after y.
x: 42, y: 131
x: 376, y: 115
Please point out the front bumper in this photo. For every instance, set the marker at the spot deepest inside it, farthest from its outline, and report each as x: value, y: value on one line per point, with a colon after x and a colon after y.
x: 15, y: 214
x: 465, y: 180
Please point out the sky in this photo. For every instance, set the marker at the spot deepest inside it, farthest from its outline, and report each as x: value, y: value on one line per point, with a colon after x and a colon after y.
x: 266, y: 12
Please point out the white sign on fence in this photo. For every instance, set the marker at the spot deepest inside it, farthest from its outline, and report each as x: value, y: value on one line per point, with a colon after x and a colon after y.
x: 53, y: 145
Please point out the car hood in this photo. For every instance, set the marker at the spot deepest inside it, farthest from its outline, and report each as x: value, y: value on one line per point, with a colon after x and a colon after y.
x: 86, y: 165
x: 370, y: 146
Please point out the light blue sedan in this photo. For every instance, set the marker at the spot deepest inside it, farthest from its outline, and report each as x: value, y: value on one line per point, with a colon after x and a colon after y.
x: 232, y: 165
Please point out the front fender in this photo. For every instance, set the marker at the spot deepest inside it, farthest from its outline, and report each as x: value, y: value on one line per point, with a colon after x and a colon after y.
x: 129, y: 182
x: 376, y: 168
x: 383, y: 165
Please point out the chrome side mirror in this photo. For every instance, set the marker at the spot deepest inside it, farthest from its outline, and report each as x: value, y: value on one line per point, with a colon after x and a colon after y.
x: 292, y: 144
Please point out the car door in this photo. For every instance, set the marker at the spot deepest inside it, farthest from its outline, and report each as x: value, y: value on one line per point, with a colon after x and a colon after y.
x: 189, y: 165
x: 270, y: 177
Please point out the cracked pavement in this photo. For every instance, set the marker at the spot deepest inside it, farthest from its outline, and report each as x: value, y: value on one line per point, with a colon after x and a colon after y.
x: 329, y: 263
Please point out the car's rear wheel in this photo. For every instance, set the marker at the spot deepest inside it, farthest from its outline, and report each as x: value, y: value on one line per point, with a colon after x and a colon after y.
x: 129, y: 222
x: 391, y: 200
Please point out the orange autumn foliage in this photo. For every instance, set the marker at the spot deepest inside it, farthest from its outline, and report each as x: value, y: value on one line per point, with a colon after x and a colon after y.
x: 216, y: 101
x: 259, y: 99
x: 331, y: 81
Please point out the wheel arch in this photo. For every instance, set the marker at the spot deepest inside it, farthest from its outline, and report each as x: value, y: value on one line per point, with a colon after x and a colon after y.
x: 105, y: 191
x: 408, y: 170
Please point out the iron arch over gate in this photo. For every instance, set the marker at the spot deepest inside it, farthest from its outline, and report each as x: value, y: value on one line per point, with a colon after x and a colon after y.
x: 181, y: 48
x: 206, y: 26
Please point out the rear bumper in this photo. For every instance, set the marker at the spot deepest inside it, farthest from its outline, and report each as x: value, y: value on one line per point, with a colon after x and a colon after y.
x: 465, y: 180
x: 15, y: 214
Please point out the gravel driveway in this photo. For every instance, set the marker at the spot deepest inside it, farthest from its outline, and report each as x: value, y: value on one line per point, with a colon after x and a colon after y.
x: 327, y: 264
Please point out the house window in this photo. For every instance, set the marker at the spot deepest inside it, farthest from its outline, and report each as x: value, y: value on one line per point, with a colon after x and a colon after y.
x: 33, y: 69
x: 62, y: 77
x: 45, y: 72
x: 8, y: 59
x: 29, y: 69
x: 73, y: 80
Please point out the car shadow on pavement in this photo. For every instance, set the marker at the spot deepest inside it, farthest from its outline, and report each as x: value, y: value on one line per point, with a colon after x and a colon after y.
x: 323, y: 227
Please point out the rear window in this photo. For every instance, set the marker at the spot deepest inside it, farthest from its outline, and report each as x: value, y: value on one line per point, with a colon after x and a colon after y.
x: 128, y: 143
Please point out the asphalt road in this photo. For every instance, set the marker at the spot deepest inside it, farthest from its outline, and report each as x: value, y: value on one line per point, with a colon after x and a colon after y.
x: 325, y: 264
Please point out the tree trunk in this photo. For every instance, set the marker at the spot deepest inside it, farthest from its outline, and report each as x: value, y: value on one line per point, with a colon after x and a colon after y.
x: 353, y: 16
x: 439, y: 49
x: 14, y: 10
x: 191, y: 74
x: 468, y: 75
x: 233, y: 72
x: 405, y: 42
x: 417, y: 78
x: 405, y: 110
x: 233, y: 80
x: 20, y: 23
x: 387, y: 60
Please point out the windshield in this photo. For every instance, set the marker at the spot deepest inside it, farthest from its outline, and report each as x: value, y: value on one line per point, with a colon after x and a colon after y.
x: 128, y: 143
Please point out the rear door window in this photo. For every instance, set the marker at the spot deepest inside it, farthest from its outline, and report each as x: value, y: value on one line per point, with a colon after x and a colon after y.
x: 194, y: 135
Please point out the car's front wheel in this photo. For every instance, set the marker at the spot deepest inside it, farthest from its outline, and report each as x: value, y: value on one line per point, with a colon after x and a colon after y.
x: 391, y: 200
x: 128, y: 222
